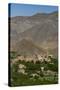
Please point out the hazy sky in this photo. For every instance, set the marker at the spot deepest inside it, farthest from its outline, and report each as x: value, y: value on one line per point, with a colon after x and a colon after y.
x: 28, y: 10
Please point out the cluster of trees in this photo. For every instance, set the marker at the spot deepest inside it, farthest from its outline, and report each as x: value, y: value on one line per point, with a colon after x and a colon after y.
x: 13, y: 55
x: 18, y: 79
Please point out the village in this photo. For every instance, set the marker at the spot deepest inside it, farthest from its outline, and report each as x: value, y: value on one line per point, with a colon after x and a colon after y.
x: 36, y: 68
x: 33, y: 58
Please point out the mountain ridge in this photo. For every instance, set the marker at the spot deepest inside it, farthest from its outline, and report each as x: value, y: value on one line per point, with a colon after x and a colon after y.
x: 41, y: 29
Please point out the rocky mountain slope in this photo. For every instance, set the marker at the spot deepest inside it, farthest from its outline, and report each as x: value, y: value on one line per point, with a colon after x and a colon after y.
x: 38, y: 31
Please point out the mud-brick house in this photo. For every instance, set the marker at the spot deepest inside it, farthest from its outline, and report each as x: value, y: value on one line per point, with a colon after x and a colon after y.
x: 28, y: 58
x: 14, y: 60
x: 40, y: 58
x: 48, y: 58
x: 31, y: 58
x: 21, y: 58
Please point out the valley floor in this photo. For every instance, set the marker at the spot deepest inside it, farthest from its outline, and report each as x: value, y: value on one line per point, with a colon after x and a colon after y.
x: 29, y: 73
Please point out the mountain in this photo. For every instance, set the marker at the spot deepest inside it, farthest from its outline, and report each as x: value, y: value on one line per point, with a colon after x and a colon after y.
x: 27, y: 47
x: 41, y: 29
